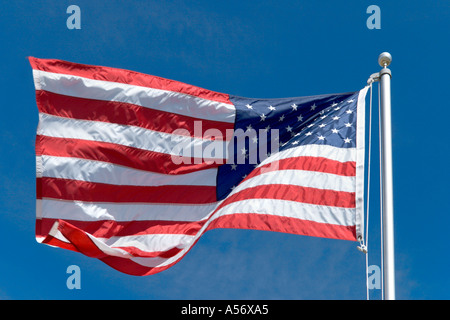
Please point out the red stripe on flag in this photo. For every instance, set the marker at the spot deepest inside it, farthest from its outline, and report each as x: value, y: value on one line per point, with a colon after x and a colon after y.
x: 128, y: 114
x: 58, y: 243
x: 276, y: 223
x: 316, y: 196
x: 318, y: 164
x: 100, y: 192
x: 125, y: 76
x: 119, y: 154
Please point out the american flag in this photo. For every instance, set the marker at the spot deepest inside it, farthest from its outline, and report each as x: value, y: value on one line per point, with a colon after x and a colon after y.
x: 133, y: 169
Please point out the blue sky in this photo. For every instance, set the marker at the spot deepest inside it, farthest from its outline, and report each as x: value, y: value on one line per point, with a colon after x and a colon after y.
x: 264, y: 49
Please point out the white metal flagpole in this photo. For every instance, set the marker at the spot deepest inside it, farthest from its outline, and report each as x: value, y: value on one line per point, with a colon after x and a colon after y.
x: 387, y: 184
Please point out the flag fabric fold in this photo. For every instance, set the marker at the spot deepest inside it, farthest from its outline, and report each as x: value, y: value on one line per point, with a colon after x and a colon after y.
x: 133, y: 169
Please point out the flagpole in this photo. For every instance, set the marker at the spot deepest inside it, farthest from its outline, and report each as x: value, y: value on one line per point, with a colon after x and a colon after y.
x: 387, y: 184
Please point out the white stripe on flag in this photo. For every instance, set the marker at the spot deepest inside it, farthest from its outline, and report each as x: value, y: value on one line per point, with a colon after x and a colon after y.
x: 291, y: 209
x: 301, y: 178
x: 104, y: 172
x: 360, y: 162
x: 93, y: 211
x: 314, y: 150
x: 150, y: 242
x: 156, y: 99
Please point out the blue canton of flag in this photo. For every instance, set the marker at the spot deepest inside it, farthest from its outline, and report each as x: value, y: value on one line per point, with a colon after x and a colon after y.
x: 324, y: 120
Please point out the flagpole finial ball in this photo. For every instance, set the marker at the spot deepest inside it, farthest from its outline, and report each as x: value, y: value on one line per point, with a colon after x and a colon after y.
x: 384, y: 59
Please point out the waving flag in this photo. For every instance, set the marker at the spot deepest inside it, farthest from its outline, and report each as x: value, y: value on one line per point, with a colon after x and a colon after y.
x: 132, y: 169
